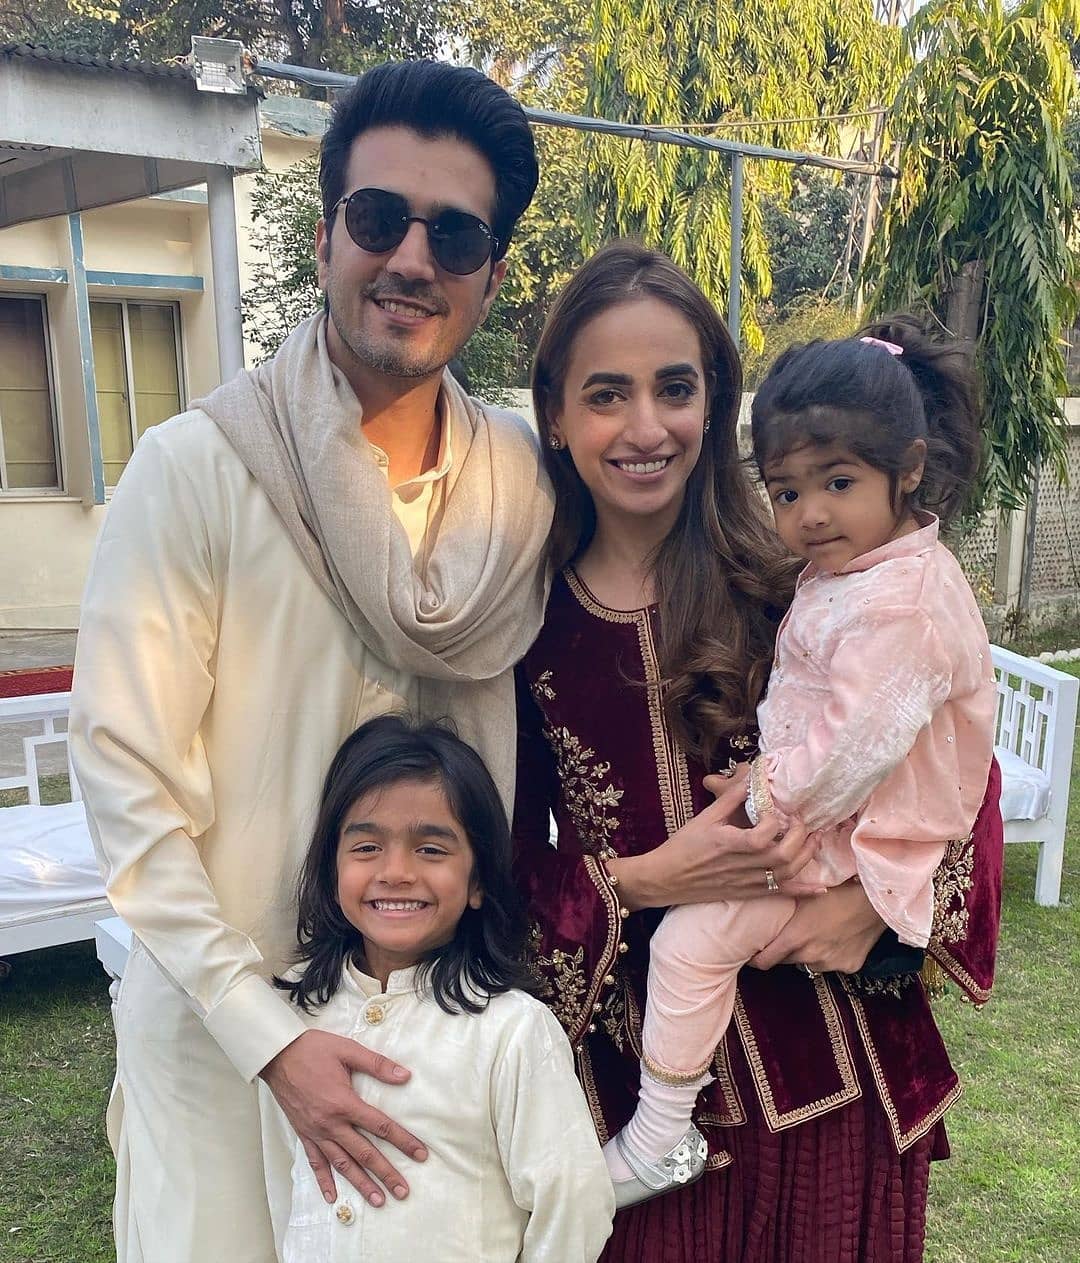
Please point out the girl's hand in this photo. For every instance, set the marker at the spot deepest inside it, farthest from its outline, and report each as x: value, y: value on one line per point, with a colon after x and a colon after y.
x: 710, y: 858
x: 311, y: 1079
x: 833, y: 931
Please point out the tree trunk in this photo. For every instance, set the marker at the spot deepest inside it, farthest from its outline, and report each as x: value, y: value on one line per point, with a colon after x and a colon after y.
x: 964, y: 301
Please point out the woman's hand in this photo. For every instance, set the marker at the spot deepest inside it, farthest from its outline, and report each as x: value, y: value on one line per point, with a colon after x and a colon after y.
x: 710, y: 858
x: 833, y: 931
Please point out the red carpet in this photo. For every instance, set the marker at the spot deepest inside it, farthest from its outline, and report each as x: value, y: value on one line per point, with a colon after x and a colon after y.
x: 31, y: 680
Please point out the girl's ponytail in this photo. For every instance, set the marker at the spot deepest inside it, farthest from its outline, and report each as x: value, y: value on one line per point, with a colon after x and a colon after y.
x: 944, y: 372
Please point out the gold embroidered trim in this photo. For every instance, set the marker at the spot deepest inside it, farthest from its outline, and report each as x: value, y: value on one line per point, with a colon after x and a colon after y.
x: 894, y: 986
x: 673, y: 1078
x: 671, y: 768
x: 957, y: 972
x: 561, y: 976
x: 725, y: 1080
x: 589, y: 802
x: 717, y: 1161
x: 902, y: 1140
x: 599, y: 875
x: 954, y: 877
x: 586, y: 598
x: 592, y: 1097
x: 851, y: 1091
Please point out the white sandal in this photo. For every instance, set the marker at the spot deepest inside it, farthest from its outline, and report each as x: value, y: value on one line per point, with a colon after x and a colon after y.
x: 683, y: 1163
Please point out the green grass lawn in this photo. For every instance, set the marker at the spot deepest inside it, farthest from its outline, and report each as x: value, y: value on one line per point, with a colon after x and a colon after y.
x: 1010, y: 1194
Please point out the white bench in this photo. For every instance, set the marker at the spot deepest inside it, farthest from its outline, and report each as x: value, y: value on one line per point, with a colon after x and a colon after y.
x: 50, y: 889
x: 1034, y: 731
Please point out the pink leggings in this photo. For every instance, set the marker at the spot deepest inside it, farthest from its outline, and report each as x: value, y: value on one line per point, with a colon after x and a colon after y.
x: 694, y: 959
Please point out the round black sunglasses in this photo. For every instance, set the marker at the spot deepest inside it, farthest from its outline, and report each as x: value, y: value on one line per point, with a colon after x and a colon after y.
x: 378, y: 221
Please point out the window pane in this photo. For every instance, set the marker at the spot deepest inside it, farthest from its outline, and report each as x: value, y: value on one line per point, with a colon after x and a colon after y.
x: 114, y: 416
x: 25, y: 403
x: 153, y: 362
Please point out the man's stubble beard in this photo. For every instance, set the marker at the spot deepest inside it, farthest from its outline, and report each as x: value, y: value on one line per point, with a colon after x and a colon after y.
x: 389, y: 360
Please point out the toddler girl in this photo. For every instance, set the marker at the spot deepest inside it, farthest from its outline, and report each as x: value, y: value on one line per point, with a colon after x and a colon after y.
x: 877, y: 726
x: 410, y: 939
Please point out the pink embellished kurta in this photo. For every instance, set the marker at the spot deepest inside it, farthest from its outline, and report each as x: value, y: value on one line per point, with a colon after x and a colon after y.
x: 881, y: 706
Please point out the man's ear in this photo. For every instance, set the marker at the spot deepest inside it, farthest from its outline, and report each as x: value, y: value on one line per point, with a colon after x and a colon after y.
x: 322, y: 252
x: 495, y: 280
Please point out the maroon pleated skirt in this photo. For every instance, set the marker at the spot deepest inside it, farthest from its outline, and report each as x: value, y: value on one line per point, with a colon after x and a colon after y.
x: 830, y: 1190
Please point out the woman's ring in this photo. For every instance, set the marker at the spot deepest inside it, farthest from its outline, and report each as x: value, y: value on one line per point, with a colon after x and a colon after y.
x: 771, y: 882
x: 810, y: 973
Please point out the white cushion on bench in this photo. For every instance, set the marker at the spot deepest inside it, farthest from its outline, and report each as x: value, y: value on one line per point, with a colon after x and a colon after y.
x: 47, y: 861
x: 1025, y: 791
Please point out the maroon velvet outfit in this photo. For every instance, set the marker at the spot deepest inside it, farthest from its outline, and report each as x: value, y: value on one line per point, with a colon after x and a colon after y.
x: 829, y: 1094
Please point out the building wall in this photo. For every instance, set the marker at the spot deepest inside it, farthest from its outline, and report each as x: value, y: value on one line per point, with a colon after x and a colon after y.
x: 47, y: 540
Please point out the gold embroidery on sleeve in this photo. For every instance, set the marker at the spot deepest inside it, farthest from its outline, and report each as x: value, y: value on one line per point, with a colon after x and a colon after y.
x: 955, y: 876
x: 589, y: 801
x: 953, y: 879
x: 541, y: 687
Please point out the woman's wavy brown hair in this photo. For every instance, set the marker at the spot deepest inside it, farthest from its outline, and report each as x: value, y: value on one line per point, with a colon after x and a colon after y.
x: 722, y: 577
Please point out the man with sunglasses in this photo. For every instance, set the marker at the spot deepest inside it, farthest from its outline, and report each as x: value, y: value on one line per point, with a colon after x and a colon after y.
x: 335, y: 534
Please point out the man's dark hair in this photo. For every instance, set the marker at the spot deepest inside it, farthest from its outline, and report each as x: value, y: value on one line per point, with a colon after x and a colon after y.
x: 435, y: 99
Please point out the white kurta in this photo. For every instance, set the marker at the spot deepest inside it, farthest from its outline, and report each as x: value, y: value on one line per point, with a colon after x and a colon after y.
x: 514, y: 1169
x: 214, y: 681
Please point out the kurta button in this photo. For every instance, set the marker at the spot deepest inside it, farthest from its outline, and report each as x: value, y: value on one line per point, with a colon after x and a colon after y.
x: 344, y: 1213
x: 609, y: 980
x: 374, y: 1014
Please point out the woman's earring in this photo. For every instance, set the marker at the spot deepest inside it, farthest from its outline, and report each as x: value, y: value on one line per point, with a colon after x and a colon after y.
x: 556, y: 445
x: 708, y: 422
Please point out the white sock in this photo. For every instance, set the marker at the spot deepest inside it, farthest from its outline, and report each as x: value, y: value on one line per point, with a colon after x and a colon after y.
x: 660, y: 1121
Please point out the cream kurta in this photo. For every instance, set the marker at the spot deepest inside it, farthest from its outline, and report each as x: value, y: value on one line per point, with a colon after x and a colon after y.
x: 514, y: 1168
x: 214, y: 681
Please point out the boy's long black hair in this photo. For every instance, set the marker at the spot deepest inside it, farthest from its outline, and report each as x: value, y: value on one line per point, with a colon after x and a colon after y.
x: 486, y: 954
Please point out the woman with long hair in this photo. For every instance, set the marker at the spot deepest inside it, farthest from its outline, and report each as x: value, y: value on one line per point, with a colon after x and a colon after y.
x: 829, y: 1087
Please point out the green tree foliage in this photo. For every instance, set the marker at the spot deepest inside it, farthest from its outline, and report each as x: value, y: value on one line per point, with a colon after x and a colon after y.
x: 807, y: 231
x: 345, y: 34
x: 538, y: 50
x: 983, y: 210
x: 284, y: 290
x: 709, y: 61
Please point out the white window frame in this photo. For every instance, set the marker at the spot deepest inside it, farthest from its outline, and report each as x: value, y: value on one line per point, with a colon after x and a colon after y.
x: 129, y: 369
x: 54, y: 411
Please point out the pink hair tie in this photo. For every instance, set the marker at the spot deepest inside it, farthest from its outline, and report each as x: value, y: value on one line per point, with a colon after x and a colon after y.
x: 891, y: 347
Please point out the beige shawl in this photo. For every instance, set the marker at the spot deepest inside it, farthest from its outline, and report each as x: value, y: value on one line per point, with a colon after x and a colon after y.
x: 462, y: 624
